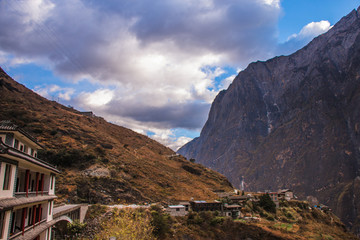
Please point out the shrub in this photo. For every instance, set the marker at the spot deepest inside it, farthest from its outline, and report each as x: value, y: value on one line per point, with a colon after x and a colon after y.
x: 127, y: 224
x: 75, y: 228
x: 216, y: 220
x: 191, y: 170
x: 160, y: 223
x: 95, y: 210
x: 67, y: 158
x: 194, y: 218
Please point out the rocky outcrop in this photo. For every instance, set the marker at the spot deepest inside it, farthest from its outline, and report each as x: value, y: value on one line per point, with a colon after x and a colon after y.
x: 293, y: 121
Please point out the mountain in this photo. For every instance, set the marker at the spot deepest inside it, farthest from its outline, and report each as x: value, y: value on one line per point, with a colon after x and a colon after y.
x: 293, y: 122
x: 102, y: 162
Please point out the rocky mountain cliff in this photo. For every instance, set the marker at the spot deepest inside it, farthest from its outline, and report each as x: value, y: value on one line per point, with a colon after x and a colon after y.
x: 102, y: 162
x: 293, y: 122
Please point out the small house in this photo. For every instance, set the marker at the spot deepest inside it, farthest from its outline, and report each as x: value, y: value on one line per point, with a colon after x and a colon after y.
x: 176, y: 210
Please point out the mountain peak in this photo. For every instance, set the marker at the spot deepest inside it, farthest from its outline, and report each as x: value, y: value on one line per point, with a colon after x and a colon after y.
x: 293, y: 122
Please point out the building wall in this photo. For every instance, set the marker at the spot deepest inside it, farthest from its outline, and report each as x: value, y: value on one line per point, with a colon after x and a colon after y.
x: 20, y: 143
x: 7, y: 193
x: 51, y: 187
x: 5, y: 227
x: 176, y: 211
x: 50, y: 208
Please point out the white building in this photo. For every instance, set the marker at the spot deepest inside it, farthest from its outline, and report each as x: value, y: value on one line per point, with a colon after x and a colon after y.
x: 176, y: 210
x: 27, y: 187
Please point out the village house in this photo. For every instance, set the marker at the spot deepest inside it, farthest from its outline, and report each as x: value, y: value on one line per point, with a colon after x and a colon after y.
x: 198, y: 206
x: 176, y: 210
x: 232, y: 211
x: 186, y: 205
x: 286, y: 194
x: 239, y: 199
x: 27, y: 187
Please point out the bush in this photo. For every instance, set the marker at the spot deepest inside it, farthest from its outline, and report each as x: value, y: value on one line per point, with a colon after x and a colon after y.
x: 216, y: 220
x: 160, y: 223
x: 191, y: 170
x: 94, y: 211
x: 67, y: 158
x: 194, y: 218
x: 75, y: 228
x: 127, y: 224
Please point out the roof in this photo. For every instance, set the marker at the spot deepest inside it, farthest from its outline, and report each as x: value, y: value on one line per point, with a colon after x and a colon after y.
x: 239, y: 197
x: 7, y: 125
x: 202, y: 201
x: 176, y: 206
x: 285, y: 190
x: 5, y: 149
x: 12, y: 202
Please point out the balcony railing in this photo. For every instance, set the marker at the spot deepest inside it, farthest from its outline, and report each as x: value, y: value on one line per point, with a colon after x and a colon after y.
x: 31, y: 194
x: 27, y: 228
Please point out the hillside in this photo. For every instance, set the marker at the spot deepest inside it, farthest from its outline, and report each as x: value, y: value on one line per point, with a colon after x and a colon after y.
x: 102, y: 162
x: 292, y: 220
x: 293, y: 122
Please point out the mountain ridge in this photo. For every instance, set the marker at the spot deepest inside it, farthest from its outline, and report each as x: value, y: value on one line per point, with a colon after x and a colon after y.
x: 292, y: 121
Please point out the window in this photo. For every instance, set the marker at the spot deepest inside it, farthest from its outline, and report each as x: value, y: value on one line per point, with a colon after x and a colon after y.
x: 178, y: 209
x: 7, y: 177
x: 16, y: 144
x: 25, y: 149
x: 21, y: 147
x: 32, y: 152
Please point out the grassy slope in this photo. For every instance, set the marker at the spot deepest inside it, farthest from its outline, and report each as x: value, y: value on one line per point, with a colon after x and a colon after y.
x: 124, y: 166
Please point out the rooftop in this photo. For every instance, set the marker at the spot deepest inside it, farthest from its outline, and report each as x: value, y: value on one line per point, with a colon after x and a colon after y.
x: 7, y: 125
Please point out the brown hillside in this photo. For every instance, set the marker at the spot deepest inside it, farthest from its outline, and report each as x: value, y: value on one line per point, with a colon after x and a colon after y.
x: 103, y: 162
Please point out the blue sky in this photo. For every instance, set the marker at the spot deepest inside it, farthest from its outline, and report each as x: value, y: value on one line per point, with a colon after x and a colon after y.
x: 152, y: 66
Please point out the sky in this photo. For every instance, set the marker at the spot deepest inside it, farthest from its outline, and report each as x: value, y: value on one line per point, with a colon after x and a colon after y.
x: 152, y: 66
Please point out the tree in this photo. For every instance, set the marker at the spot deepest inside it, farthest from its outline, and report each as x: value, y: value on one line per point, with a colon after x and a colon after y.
x: 267, y: 204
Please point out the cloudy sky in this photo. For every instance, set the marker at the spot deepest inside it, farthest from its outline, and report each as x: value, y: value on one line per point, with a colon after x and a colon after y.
x: 152, y: 66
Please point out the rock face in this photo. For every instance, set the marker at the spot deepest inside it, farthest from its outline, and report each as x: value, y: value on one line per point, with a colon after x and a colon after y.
x: 293, y: 122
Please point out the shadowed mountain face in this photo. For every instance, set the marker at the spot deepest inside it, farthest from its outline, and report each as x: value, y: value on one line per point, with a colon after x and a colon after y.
x: 293, y: 122
x: 101, y: 162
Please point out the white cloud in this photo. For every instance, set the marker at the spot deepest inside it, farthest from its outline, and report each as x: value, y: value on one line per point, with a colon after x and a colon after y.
x: 312, y: 30
x: 306, y: 34
x: 98, y: 98
x: 151, y: 53
x: 55, y: 92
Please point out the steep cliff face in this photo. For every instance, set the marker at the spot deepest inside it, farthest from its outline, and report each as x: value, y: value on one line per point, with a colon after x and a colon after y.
x: 293, y: 122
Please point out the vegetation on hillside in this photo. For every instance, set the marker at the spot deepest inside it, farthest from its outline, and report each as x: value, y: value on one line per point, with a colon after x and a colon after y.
x: 292, y: 220
x: 101, y: 162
